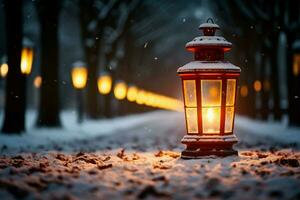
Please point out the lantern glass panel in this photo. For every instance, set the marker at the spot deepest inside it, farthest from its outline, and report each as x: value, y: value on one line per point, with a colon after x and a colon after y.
x: 230, y: 92
x: 190, y: 93
x: 229, y: 119
x: 211, y: 120
x: 192, y: 120
x: 211, y: 92
x: 211, y: 105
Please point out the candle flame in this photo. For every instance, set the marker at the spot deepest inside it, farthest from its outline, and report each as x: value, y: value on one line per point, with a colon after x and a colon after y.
x: 210, y: 115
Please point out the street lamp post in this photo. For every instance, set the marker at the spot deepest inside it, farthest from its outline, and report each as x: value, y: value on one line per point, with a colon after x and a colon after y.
x: 105, y: 83
x: 79, y: 79
x: 26, y: 67
x: 294, y: 84
x: 209, y: 90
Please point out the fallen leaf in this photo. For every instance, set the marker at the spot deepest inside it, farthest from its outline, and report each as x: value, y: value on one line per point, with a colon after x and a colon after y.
x: 104, y: 166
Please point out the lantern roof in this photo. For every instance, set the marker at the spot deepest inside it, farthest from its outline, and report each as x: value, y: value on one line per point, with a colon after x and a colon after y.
x: 205, y: 66
x: 208, y: 40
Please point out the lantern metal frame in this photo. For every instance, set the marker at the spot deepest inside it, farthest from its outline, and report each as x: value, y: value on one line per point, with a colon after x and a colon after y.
x: 209, y: 64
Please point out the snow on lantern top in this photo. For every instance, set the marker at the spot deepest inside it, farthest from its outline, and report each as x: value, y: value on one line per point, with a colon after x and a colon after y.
x: 209, y: 52
x: 208, y: 40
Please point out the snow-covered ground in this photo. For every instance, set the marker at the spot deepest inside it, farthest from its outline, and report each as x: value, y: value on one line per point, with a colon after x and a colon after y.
x: 70, y: 131
x: 138, y: 156
x: 251, y: 132
x: 266, y: 134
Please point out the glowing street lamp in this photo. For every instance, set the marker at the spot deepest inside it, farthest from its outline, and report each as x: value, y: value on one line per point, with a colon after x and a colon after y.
x: 4, y: 67
x: 141, y: 97
x: 244, y: 91
x: 79, y: 76
x: 37, y: 82
x: 27, y: 57
x: 257, y: 86
x: 104, y: 83
x: 120, y: 90
x: 132, y: 92
x: 209, y: 90
x: 296, y: 58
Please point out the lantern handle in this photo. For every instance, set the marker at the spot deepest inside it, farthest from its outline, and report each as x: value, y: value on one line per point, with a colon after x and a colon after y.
x: 212, y: 21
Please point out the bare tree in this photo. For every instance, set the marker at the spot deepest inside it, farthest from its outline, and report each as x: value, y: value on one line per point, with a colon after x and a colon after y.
x: 112, y: 44
x: 94, y: 16
x: 14, y: 114
x: 290, y: 23
x: 49, y: 107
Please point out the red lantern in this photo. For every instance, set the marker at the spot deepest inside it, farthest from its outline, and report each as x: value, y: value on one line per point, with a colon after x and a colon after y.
x: 209, y: 89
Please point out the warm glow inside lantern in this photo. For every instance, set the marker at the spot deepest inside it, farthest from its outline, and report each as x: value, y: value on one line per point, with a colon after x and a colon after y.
x: 79, y: 75
x: 120, y: 90
x: 104, y: 83
x: 209, y: 90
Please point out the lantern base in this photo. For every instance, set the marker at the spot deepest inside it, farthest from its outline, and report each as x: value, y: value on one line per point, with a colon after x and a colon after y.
x: 200, y: 146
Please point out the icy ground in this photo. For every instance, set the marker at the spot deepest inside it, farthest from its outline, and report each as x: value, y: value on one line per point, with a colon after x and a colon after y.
x: 138, y: 156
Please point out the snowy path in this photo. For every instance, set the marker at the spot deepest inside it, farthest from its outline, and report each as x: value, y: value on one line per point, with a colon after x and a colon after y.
x: 138, y: 157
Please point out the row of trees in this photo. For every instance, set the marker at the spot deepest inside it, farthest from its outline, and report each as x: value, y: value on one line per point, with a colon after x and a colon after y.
x: 114, y: 37
x: 95, y: 17
x: 257, y: 27
x: 15, y: 97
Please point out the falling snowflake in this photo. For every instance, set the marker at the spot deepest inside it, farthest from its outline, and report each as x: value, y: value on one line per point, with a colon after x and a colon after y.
x: 183, y: 20
x: 145, y: 45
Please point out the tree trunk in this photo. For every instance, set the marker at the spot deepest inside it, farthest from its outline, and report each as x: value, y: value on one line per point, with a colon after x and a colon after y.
x: 109, y: 56
x: 49, y: 101
x: 92, y: 88
x: 14, y: 114
x: 293, y: 85
x: 265, y: 94
x: 275, y: 79
x: 250, y: 68
x: 107, y: 99
x: 91, y: 52
x: 124, y: 71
